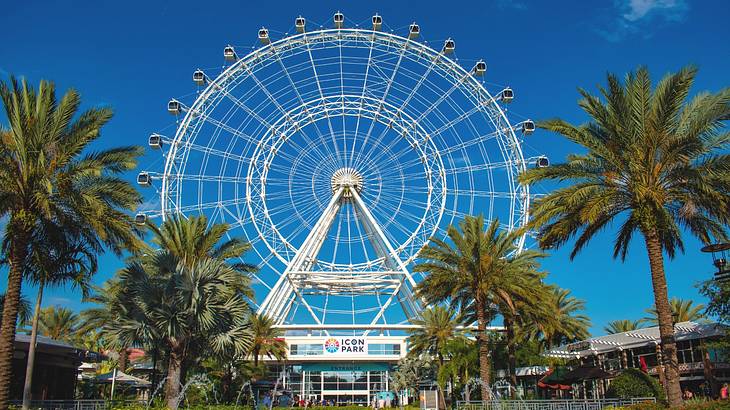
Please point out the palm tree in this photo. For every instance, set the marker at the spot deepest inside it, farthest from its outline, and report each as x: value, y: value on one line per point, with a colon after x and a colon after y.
x: 683, y: 310
x: 479, y: 273
x: 58, y: 254
x: 188, y: 297
x: 436, y: 326
x: 656, y: 162
x: 58, y: 323
x: 462, y: 364
x: 190, y: 239
x: 111, y: 306
x: 524, y: 314
x: 569, y: 325
x: 620, y: 326
x: 267, y: 340
x: 43, y: 176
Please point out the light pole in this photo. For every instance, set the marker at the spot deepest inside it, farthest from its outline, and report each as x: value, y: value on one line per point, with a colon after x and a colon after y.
x: 719, y: 253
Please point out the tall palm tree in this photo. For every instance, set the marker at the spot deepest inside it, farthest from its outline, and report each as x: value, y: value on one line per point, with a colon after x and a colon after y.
x: 267, y: 340
x: 476, y: 273
x: 654, y: 161
x: 58, y: 323
x: 683, y: 310
x: 187, y: 297
x: 623, y: 325
x: 44, y: 176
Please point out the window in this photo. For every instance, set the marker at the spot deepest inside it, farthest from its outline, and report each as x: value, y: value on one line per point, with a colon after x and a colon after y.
x: 380, y: 348
x: 306, y: 349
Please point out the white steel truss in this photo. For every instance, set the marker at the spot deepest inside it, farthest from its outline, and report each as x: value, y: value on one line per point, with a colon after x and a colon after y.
x: 299, y: 279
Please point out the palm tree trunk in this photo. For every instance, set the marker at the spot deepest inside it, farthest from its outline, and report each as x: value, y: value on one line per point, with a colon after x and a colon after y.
x: 28, y: 387
x: 174, y: 373
x: 123, y: 359
x: 664, y: 314
x: 511, y: 354
x: 484, y: 364
x: 442, y: 395
x: 18, y: 253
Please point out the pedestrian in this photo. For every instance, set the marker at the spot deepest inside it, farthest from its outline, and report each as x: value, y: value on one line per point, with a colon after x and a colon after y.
x: 724, y: 392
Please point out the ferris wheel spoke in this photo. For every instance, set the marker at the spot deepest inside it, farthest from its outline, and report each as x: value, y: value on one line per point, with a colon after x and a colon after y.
x: 212, y: 151
x: 362, y: 96
x: 240, y: 134
x: 321, y: 94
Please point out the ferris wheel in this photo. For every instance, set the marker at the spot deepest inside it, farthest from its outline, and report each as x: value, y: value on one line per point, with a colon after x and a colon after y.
x: 337, y: 153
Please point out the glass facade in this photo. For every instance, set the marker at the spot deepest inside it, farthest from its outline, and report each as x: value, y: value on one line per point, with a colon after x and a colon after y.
x: 340, y: 383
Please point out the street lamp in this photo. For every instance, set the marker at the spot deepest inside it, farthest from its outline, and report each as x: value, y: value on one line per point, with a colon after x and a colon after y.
x: 719, y: 259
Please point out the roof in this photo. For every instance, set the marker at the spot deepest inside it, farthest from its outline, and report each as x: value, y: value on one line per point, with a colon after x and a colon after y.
x: 121, y: 377
x: 42, y: 340
x: 634, y: 339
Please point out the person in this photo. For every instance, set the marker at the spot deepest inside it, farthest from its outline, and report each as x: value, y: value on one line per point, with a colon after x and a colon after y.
x: 687, y: 394
x: 724, y: 392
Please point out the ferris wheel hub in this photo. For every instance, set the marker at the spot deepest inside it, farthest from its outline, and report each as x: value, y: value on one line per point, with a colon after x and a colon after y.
x: 347, y: 178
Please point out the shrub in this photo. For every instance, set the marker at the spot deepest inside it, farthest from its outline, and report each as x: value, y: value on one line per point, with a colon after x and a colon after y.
x: 634, y: 383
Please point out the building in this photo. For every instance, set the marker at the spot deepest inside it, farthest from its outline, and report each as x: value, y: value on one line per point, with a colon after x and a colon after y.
x: 55, y: 369
x: 701, y: 367
x: 341, y: 369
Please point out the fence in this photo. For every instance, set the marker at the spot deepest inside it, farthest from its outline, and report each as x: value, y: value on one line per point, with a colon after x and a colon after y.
x: 597, y: 404
x: 76, y: 404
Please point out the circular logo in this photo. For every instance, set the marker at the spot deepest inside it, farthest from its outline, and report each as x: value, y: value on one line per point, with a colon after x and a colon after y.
x: 331, y: 345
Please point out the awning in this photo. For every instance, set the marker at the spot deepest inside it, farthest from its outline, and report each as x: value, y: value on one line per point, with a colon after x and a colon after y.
x: 553, y: 379
x: 585, y: 373
x: 122, y: 378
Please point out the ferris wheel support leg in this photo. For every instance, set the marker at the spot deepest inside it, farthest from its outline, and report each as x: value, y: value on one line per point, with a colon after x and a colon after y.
x: 284, y: 291
x: 385, y: 249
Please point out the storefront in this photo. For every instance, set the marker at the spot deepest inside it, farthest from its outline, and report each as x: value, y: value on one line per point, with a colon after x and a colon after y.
x: 339, y: 369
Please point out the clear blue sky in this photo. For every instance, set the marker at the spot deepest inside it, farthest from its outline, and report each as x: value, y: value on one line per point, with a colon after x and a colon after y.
x: 135, y: 55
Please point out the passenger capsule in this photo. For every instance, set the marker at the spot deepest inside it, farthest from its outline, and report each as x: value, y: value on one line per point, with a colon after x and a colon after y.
x: 507, y: 95
x: 480, y: 68
x: 140, y: 219
x: 542, y: 162
x: 449, y: 46
x: 230, y: 54
x: 173, y: 107
x: 339, y: 19
x: 377, y: 22
x: 413, y: 31
x: 144, y: 179
x: 300, y: 23
x: 528, y: 127
x: 199, y: 77
x: 155, y: 141
x: 264, y: 36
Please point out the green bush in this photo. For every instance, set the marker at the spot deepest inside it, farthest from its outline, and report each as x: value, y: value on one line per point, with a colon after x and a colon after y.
x: 634, y: 383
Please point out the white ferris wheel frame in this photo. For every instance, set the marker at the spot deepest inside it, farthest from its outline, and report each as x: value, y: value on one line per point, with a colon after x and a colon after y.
x: 392, y: 274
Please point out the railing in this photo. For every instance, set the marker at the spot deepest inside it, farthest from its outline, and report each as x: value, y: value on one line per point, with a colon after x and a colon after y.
x: 65, y: 404
x: 76, y: 404
x: 576, y: 404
